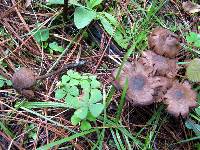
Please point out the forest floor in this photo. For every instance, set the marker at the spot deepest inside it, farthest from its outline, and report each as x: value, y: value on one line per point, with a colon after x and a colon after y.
x: 45, y: 37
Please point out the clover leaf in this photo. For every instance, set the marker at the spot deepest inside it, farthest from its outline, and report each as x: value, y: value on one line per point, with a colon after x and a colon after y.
x: 95, y: 96
x: 82, y: 93
x: 96, y: 109
x: 85, y: 125
x: 60, y: 93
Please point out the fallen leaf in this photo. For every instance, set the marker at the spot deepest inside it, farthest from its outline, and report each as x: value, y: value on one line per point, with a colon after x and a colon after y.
x: 191, y: 7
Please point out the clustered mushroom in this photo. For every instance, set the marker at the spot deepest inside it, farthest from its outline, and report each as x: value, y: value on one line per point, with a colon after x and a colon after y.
x: 152, y: 78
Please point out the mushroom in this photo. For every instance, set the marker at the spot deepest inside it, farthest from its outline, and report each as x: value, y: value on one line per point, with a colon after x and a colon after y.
x: 24, y: 78
x: 179, y: 98
x: 140, y: 87
x: 164, y: 42
x: 159, y: 65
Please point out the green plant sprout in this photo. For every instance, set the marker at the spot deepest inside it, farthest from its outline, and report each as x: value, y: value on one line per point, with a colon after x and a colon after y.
x: 42, y: 36
x: 109, y: 23
x: 4, y: 81
x: 82, y: 93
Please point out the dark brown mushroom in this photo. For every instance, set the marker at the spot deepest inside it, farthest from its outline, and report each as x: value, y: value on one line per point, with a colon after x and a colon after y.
x: 164, y: 42
x: 180, y: 98
x: 140, y: 86
x: 23, y: 79
x: 159, y: 65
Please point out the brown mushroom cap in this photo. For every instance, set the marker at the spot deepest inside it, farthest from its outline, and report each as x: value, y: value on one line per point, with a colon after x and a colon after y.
x: 164, y: 42
x: 140, y: 86
x: 159, y: 65
x: 161, y: 87
x: 180, y: 98
x: 22, y: 79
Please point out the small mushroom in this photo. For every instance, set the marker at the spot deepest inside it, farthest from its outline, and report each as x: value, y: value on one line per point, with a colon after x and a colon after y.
x: 180, y: 98
x: 23, y: 79
x: 159, y: 65
x: 164, y: 42
x: 140, y: 87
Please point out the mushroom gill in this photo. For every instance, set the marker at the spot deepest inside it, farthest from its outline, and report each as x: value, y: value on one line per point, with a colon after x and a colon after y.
x: 179, y: 98
x: 159, y: 65
x: 164, y: 42
x: 140, y: 87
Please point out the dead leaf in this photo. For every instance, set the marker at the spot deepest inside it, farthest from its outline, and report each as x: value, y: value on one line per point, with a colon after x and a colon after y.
x: 191, y: 7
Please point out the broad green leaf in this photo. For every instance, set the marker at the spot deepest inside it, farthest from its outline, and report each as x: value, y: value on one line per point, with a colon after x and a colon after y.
x: 75, y: 120
x: 9, y: 82
x: 82, y: 17
x: 41, y: 35
x: 190, y: 124
x: 95, y: 84
x: 75, y: 2
x: 81, y: 112
x: 85, y: 85
x: 85, y: 97
x: 120, y: 39
x: 1, y: 77
x: 191, y: 37
x: 76, y: 75
x: 66, y: 87
x: 197, y: 43
x: 85, y: 125
x: 60, y: 93
x: 73, y: 82
x: 72, y: 102
x: 70, y: 73
x: 92, y: 77
x: 197, y: 110
x: 65, y: 79
x: 107, y: 25
x: 84, y: 77
x: 95, y: 96
x: 193, y: 70
x: 90, y: 117
x: 51, y: 2
x: 1, y: 83
x: 93, y: 3
x: 74, y: 91
x: 111, y: 19
x: 54, y: 46
x: 112, y: 27
x: 96, y: 109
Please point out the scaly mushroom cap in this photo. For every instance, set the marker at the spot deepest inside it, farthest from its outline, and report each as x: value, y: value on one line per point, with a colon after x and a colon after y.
x: 159, y: 65
x: 180, y: 98
x: 164, y: 42
x: 140, y: 86
x: 22, y: 79
x: 161, y: 87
